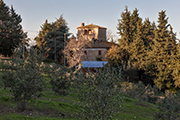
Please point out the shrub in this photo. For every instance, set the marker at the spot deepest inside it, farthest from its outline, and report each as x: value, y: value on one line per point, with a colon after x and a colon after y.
x: 169, y: 107
x: 140, y: 91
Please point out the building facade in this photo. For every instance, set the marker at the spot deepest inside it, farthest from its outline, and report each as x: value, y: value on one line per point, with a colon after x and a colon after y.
x: 99, y: 45
x: 91, y: 32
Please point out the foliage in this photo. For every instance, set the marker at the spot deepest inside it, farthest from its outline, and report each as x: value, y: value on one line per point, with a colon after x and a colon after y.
x: 50, y: 40
x: 138, y: 49
x: 169, y: 108
x: 151, y: 49
x: 98, y: 93
x: 140, y: 91
x: 60, y: 82
x: 53, y: 106
x: 160, y: 56
x: 125, y: 32
x: 114, y: 56
x: 10, y: 29
x: 40, y: 40
x: 98, y: 59
x: 148, y: 32
x: 175, y: 64
x: 23, y: 76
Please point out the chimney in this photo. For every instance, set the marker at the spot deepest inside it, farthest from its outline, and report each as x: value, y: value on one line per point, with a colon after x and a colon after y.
x: 82, y: 24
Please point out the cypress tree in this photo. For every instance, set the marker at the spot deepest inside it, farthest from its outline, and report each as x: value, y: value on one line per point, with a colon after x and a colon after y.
x: 148, y: 31
x: 176, y: 66
x: 16, y: 33
x: 125, y: 32
x: 55, y: 38
x: 10, y: 29
x: 134, y: 23
x: 138, y: 49
x: 40, y: 39
x: 51, y: 36
x: 161, y: 55
x: 4, y: 18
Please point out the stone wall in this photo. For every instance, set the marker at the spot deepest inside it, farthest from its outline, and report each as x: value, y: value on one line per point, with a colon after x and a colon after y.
x: 94, y: 53
x: 102, y: 35
x: 91, y: 32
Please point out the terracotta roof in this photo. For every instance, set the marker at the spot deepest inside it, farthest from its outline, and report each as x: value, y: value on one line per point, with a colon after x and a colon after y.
x: 91, y: 26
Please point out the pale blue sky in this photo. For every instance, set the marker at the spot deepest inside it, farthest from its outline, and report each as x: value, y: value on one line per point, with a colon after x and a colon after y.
x: 100, y: 12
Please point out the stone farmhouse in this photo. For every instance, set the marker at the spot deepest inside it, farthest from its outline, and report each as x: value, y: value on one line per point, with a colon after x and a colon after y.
x: 97, y: 35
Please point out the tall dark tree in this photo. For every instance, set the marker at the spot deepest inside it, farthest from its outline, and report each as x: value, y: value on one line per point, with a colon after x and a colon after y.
x: 55, y: 39
x: 40, y: 39
x: 135, y: 19
x: 148, y: 31
x: 160, y: 56
x: 10, y: 29
x: 125, y: 32
x: 176, y: 65
x: 4, y: 18
x: 50, y: 40
x: 138, y: 48
x: 16, y: 33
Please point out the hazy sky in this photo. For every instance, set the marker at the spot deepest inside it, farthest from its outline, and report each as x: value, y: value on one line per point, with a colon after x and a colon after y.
x: 100, y: 12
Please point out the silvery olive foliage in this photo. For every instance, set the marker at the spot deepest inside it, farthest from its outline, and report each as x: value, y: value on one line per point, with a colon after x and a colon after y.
x: 98, y: 93
x: 23, y: 76
x: 60, y: 80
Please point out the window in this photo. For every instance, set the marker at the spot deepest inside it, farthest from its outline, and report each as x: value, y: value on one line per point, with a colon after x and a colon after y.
x: 99, y: 52
x: 85, y: 32
x: 71, y: 53
x: 85, y: 52
x: 94, y: 41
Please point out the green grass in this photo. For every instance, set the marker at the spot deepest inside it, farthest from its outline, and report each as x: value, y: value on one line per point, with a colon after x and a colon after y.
x: 27, y: 117
x: 54, y: 107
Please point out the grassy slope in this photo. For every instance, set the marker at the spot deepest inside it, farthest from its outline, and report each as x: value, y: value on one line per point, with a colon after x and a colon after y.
x: 53, y: 107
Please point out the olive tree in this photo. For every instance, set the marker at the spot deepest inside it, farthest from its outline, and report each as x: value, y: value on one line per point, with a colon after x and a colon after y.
x: 60, y: 81
x: 23, y: 76
x: 98, y: 93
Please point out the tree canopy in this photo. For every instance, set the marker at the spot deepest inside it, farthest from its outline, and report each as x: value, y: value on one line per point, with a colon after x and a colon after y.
x: 50, y: 40
x: 151, y: 48
x: 11, y: 33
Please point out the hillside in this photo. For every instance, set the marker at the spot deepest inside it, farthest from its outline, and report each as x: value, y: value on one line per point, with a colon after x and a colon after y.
x: 54, y: 107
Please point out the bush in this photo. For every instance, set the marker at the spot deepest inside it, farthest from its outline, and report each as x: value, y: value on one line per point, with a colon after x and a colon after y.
x: 140, y: 91
x: 169, y: 107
